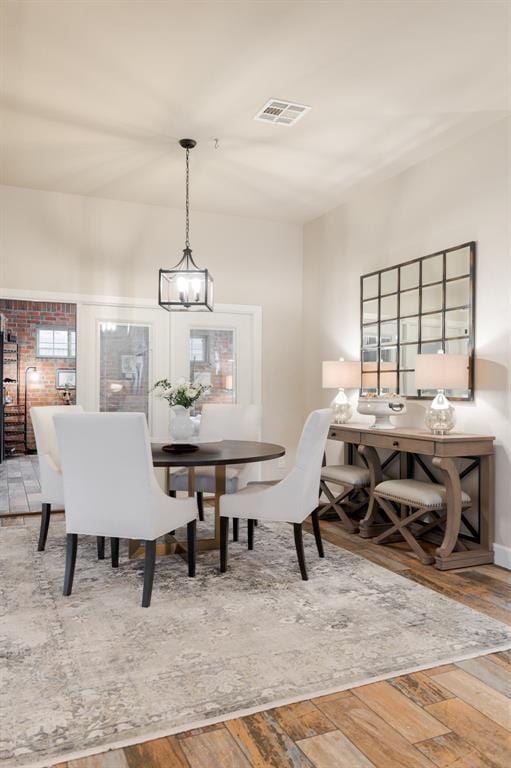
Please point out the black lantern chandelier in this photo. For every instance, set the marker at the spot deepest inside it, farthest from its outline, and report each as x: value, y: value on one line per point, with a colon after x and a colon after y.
x: 186, y: 286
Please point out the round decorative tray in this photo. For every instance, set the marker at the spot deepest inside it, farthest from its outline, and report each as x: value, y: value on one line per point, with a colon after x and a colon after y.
x: 180, y: 448
x: 192, y: 444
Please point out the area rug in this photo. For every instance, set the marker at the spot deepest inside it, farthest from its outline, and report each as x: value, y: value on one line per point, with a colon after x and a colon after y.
x: 95, y: 670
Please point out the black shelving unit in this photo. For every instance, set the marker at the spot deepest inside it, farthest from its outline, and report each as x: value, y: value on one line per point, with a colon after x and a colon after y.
x: 12, y: 415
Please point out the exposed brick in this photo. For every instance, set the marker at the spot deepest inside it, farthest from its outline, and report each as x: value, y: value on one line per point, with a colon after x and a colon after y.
x: 23, y: 319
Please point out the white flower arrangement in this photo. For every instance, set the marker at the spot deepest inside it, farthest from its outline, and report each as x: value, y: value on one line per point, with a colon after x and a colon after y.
x: 184, y: 393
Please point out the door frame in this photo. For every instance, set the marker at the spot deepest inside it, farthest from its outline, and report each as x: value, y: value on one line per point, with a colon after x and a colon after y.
x: 254, y: 310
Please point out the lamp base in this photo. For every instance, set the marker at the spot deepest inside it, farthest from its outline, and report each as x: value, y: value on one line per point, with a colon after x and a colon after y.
x: 440, y: 416
x: 342, y: 408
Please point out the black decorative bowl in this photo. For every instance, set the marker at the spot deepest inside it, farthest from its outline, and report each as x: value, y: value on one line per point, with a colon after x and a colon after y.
x: 180, y: 448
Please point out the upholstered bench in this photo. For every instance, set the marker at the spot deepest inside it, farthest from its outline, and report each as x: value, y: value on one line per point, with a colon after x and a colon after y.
x: 353, y: 479
x: 427, y: 505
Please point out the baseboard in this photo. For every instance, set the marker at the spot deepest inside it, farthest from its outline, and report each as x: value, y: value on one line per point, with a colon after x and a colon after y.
x: 502, y: 556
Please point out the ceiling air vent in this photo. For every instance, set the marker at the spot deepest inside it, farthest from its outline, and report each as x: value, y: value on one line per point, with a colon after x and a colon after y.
x: 282, y: 112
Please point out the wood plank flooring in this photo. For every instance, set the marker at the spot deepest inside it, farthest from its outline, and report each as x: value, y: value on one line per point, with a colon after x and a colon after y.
x: 454, y: 716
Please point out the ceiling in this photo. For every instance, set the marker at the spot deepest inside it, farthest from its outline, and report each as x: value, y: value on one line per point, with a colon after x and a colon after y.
x: 95, y: 95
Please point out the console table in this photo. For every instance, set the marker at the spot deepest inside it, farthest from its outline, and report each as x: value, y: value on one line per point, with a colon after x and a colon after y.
x: 408, y: 446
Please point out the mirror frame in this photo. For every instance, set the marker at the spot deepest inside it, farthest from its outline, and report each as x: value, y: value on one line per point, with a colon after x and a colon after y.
x: 442, y: 339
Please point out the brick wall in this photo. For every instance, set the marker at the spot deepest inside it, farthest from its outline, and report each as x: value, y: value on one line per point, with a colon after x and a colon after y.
x: 23, y: 319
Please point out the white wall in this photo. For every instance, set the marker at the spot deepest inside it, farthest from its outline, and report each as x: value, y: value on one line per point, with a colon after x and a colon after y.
x: 458, y: 195
x: 68, y: 243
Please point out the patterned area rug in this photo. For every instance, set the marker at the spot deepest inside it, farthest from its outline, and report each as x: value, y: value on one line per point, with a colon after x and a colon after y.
x: 95, y: 670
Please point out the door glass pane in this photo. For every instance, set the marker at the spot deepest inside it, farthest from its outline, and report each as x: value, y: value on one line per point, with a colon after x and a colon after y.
x: 124, y: 367
x: 213, y: 363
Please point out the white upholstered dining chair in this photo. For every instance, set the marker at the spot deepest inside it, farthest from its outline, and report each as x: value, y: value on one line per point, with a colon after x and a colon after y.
x: 291, y: 500
x: 111, y: 489
x: 222, y: 422
x: 50, y: 475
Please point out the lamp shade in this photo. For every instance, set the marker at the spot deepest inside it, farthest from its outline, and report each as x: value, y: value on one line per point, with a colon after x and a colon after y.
x: 341, y: 373
x: 441, y: 371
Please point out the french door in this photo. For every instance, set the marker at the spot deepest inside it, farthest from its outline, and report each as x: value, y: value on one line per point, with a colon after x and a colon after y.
x: 122, y: 352
x: 221, y: 350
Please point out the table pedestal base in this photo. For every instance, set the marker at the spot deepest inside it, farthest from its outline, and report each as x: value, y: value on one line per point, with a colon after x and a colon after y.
x: 173, y: 546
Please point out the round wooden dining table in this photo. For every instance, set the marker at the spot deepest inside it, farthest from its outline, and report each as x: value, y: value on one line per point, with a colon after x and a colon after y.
x: 218, y: 455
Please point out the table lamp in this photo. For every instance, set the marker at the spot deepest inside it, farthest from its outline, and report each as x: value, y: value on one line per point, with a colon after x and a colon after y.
x: 341, y: 374
x: 441, y: 372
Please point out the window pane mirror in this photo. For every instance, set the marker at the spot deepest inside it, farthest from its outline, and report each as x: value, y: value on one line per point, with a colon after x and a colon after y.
x: 421, y: 306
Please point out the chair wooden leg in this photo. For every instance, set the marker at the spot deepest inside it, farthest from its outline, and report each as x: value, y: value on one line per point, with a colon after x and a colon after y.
x: 191, y: 535
x: 200, y: 505
x: 71, y: 546
x: 224, y: 543
x: 149, y: 561
x: 100, y: 543
x: 317, y: 532
x: 114, y: 551
x: 297, y: 527
x: 251, y: 534
x: 235, y: 529
x: 45, y: 524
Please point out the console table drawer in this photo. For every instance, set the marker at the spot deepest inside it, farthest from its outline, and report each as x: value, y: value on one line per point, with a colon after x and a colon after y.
x: 344, y: 435
x: 392, y: 443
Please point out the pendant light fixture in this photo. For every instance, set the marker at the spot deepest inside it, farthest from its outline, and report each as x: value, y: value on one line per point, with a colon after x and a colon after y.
x: 186, y: 287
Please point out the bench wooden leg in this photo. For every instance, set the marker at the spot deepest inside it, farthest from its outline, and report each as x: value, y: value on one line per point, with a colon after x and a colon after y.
x: 400, y: 525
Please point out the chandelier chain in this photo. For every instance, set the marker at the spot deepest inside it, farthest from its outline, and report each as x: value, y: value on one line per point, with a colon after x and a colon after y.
x: 187, y: 203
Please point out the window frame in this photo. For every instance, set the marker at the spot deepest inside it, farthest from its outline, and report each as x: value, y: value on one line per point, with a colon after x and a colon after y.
x: 53, y: 356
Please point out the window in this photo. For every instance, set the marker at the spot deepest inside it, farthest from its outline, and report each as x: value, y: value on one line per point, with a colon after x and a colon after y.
x: 56, y: 342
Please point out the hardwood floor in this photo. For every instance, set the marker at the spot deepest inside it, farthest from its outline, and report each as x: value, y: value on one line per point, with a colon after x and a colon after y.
x: 456, y: 716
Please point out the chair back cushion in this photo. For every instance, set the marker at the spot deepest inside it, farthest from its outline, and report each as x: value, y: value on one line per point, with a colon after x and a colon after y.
x: 309, y: 454
x: 108, y: 473
x: 44, y: 428
x: 230, y: 422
